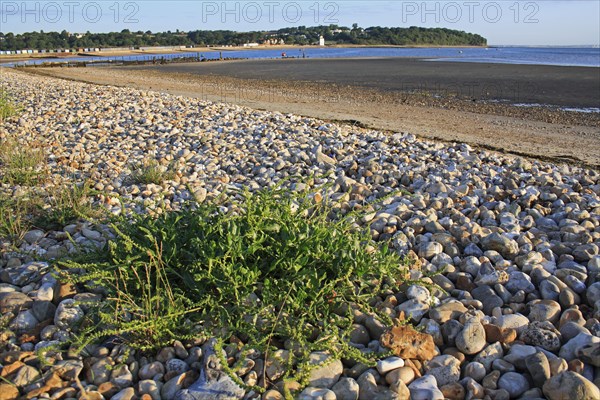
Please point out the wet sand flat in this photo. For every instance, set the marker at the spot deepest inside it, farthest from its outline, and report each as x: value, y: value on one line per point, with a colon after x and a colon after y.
x: 561, y: 86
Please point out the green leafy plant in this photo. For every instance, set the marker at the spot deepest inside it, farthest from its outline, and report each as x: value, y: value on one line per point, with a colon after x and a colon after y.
x: 275, y: 268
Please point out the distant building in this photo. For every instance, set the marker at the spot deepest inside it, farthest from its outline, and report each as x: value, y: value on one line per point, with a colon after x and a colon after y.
x: 274, y: 42
x: 321, y: 41
x: 250, y: 44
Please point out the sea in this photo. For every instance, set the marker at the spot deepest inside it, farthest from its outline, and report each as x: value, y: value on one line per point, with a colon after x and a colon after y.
x: 559, y: 56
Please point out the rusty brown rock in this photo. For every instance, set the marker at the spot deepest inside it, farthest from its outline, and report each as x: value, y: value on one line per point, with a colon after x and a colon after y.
x: 65, y: 393
x: 453, y: 391
x: 8, y: 392
x: 33, y: 335
x: 65, y: 291
x: 576, y: 366
x: 92, y: 395
x: 454, y: 352
x: 11, y: 369
x: 407, y: 343
x: 494, y: 333
x: 53, y: 382
x: 108, y: 389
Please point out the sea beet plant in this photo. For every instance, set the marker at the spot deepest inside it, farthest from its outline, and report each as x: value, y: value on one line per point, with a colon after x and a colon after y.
x: 275, y: 268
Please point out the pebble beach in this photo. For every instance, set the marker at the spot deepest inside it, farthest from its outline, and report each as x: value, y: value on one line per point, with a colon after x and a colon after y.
x: 515, y: 314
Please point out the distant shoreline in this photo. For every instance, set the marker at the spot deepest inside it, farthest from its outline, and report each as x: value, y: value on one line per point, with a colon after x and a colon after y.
x: 587, y: 58
x: 161, y: 50
x: 345, y: 46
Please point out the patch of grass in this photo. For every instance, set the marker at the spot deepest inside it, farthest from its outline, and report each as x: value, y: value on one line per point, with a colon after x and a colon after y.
x: 8, y: 108
x: 21, y: 164
x: 150, y: 171
x: 64, y: 205
x: 14, y: 218
x: 49, y: 210
x: 277, y: 269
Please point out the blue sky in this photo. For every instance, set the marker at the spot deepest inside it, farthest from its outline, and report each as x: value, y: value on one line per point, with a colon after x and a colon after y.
x: 545, y: 22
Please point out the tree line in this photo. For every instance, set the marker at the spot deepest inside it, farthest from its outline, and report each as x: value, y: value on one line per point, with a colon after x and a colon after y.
x: 301, y: 35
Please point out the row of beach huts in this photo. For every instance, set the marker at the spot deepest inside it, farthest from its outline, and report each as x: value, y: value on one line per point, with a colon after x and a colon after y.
x: 66, y: 52
x: 52, y: 52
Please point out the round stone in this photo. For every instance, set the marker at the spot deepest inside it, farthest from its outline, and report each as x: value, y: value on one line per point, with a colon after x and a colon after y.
x: 68, y: 315
x: 514, y: 383
x: 471, y: 340
x: 475, y: 370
